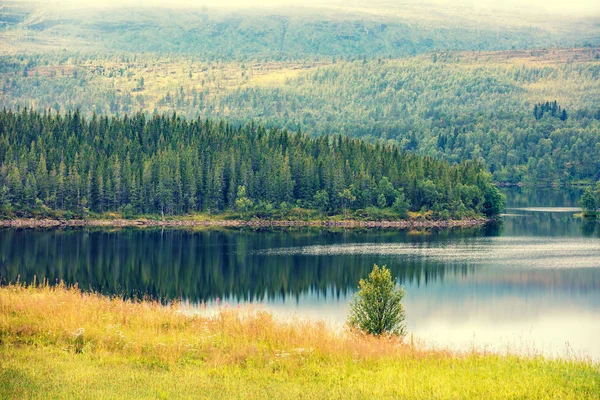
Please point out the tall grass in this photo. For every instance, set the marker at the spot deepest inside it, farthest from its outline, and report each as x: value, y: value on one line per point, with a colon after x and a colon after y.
x: 68, y: 318
x: 61, y: 342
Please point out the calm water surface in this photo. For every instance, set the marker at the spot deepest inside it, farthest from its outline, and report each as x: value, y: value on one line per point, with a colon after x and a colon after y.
x: 529, y: 283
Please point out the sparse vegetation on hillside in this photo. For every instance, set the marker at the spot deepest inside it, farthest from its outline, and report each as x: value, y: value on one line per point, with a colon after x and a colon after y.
x: 362, y: 29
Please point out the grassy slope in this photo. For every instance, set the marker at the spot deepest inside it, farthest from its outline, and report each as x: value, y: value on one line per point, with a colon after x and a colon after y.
x: 59, y: 343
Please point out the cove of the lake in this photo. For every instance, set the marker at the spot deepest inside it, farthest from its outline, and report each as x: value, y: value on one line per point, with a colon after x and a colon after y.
x: 528, y: 283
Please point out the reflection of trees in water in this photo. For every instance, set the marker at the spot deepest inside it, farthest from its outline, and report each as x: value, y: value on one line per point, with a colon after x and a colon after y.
x: 542, y: 197
x: 590, y: 227
x: 542, y: 224
x: 206, y: 265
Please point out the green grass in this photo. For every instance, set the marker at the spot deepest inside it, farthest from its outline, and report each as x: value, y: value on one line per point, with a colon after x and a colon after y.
x: 31, y: 372
x: 60, y: 343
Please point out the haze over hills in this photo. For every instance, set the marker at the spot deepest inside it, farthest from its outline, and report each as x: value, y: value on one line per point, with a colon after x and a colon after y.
x: 286, y: 30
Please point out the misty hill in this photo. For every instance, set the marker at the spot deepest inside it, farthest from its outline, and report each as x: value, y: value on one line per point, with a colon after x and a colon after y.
x: 357, y: 29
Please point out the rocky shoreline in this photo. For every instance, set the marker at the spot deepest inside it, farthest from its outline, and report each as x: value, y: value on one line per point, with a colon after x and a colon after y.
x: 142, y: 223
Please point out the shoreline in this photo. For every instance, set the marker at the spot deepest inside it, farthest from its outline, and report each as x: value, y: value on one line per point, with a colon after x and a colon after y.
x: 255, y: 223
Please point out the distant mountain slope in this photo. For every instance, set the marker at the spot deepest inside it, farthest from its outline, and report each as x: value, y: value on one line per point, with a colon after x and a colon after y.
x: 355, y: 30
x: 496, y: 107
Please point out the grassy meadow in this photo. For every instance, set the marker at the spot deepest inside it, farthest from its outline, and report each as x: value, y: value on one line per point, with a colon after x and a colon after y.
x: 62, y: 343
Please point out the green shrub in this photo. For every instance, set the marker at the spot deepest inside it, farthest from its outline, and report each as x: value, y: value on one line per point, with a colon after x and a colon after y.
x: 377, y: 307
x: 588, y: 202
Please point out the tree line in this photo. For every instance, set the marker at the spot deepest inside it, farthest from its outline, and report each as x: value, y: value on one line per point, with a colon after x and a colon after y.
x: 169, y: 165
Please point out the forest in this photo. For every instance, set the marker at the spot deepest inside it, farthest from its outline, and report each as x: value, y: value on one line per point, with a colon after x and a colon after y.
x: 531, y: 117
x: 517, y: 92
x: 169, y: 165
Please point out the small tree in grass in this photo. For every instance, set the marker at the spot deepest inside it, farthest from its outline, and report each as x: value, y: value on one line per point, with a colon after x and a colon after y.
x: 377, y: 307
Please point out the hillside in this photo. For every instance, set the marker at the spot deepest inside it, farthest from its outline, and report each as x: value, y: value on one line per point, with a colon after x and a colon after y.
x: 457, y: 106
x: 167, y: 165
x: 512, y: 86
x: 304, y: 31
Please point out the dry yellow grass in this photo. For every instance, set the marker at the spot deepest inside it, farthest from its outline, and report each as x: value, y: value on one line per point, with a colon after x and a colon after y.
x: 68, y: 318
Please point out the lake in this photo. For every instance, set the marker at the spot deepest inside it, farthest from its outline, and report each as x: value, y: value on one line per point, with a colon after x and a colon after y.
x: 529, y: 283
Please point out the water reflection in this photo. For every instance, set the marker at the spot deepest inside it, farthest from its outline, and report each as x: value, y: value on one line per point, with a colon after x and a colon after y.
x: 201, y: 266
x: 503, y: 252
x: 543, y: 197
